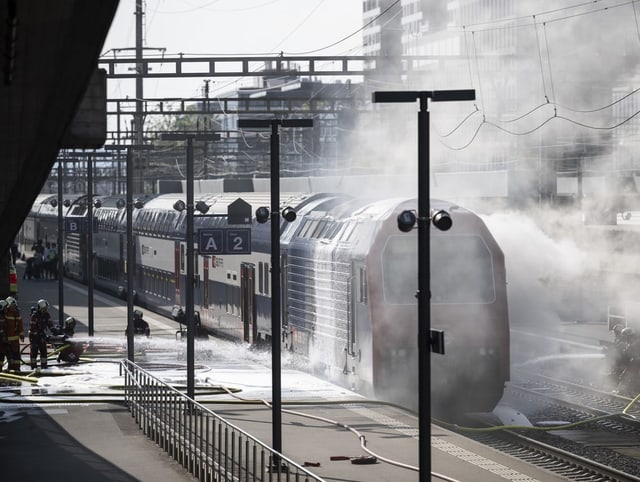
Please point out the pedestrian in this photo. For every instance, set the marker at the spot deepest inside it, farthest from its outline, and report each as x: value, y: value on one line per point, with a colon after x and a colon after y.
x: 15, y: 332
x: 29, y: 270
x: 38, y: 326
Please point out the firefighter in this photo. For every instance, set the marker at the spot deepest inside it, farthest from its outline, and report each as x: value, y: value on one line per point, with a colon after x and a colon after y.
x: 140, y: 326
x: 38, y: 326
x: 4, y: 343
x: 616, y: 353
x: 14, y: 330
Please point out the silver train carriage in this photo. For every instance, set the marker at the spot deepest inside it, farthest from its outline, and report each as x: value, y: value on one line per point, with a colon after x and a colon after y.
x: 349, y: 279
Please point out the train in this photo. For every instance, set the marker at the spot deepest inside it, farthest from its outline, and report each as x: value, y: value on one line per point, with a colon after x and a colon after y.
x: 348, y: 285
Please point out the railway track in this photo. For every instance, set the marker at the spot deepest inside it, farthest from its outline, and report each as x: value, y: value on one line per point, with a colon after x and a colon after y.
x: 578, y: 432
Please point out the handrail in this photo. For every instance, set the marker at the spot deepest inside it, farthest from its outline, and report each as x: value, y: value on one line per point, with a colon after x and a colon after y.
x: 205, y: 444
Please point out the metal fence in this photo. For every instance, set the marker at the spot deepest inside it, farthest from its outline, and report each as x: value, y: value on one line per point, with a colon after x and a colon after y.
x: 209, y: 447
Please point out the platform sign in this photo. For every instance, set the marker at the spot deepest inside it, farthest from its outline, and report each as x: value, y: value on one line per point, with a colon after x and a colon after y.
x: 238, y: 241
x: 224, y: 241
x: 79, y: 225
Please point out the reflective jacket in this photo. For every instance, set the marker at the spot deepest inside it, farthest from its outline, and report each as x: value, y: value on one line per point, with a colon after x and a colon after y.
x: 2, y: 325
x: 13, y: 324
x: 40, y: 322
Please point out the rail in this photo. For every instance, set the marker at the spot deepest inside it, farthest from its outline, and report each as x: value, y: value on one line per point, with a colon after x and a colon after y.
x: 206, y: 445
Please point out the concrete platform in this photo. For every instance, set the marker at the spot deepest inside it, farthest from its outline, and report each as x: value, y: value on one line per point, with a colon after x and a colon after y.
x: 43, y: 436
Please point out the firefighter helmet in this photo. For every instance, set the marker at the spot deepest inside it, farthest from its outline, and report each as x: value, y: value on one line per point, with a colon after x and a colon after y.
x: 43, y: 305
x: 617, y: 329
x: 11, y: 301
x: 70, y: 325
x: 627, y: 333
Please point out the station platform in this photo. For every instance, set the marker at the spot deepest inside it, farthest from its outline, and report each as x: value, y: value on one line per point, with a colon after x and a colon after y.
x: 64, y: 438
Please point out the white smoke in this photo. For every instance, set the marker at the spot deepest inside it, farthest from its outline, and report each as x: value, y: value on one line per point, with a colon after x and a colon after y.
x: 539, y: 270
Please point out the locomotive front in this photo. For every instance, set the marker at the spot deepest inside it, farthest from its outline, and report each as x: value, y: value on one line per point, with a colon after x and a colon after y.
x: 468, y: 303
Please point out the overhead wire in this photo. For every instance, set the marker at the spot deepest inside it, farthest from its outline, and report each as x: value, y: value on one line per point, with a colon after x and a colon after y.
x: 546, y: 41
x: 375, y: 19
x: 635, y: 18
x: 551, y: 102
x: 544, y: 84
x: 300, y: 24
x: 206, y: 7
x: 548, y: 12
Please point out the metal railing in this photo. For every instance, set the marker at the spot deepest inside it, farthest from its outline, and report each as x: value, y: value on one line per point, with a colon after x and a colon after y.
x: 205, y: 444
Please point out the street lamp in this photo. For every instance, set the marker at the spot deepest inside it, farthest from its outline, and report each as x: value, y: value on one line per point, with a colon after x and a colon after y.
x: 130, y: 204
x: 406, y: 219
x: 262, y: 215
x: 189, y: 296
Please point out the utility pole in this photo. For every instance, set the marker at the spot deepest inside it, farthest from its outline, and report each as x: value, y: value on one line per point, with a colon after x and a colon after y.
x: 139, y: 119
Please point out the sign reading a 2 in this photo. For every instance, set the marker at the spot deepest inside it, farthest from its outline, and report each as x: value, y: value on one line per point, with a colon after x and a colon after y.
x: 224, y: 241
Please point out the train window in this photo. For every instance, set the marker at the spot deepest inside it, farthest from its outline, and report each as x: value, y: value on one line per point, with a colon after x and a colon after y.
x: 319, y: 228
x: 333, y: 230
x: 348, y: 231
x: 308, y: 228
x: 145, y: 221
x: 461, y: 270
x: 363, y: 286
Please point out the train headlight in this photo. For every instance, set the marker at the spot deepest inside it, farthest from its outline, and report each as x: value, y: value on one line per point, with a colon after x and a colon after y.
x: 97, y: 203
x: 66, y: 203
x: 441, y: 220
x: 179, y: 205
x: 289, y: 214
x: 53, y: 202
x: 202, y: 207
x: 120, y: 203
x: 139, y: 204
x: 406, y: 220
x: 262, y: 214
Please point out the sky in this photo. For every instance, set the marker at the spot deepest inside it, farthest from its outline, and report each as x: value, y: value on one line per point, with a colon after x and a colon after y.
x: 228, y: 27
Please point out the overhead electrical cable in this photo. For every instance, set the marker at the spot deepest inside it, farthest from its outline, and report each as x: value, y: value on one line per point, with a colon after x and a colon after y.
x: 546, y: 42
x: 544, y: 84
x: 206, y: 7
x: 375, y: 19
x: 548, y: 12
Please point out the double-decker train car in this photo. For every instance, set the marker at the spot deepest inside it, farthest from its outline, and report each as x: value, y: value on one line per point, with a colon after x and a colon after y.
x: 348, y: 284
x: 41, y: 224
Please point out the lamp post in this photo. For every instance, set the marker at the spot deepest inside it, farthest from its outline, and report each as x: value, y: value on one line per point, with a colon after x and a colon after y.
x: 131, y: 257
x: 276, y: 386
x: 425, y: 339
x: 131, y: 254
x: 189, y: 296
x: 60, y: 241
x: 90, y: 258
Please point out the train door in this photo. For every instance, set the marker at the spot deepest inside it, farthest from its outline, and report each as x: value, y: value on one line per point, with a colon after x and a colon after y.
x: 177, y: 271
x: 358, y: 293
x: 247, y: 302
x: 205, y: 288
x: 122, y: 263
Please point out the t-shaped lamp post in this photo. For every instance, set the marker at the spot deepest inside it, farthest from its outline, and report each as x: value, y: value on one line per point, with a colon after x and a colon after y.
x: 275, y: 266
x: 424, y: 251
x: 189, y: 295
